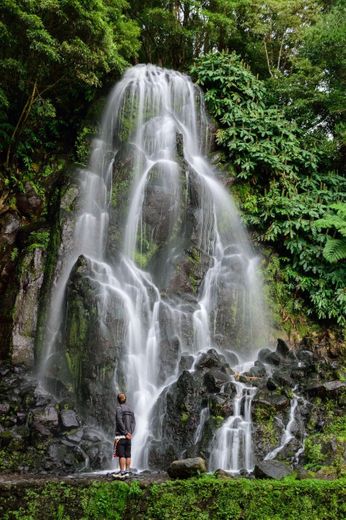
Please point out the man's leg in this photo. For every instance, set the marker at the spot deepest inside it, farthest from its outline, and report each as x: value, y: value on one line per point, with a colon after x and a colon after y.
x: 128, y: 454
x: 122, y: 463
x: 122, y: 454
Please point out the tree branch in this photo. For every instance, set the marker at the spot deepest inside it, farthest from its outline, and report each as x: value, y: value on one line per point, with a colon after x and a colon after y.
x: 280, y: 52
x: 267, y: 57
x: 22, y: 118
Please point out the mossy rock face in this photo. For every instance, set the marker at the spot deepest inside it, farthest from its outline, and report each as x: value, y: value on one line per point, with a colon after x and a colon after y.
x: 10, y: 224
x: 37, y: 433
x: 179, y: 412
x: 267, y: 432
x: 91, y: 358
x: 170, y: 223
x: 26, y: 306
x: 61, y: 215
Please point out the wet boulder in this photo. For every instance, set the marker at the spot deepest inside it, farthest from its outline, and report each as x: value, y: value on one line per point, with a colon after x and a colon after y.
x: 256, y: 371
x: 271, y: 384
x: 186, y: 468
x: 273, y: 469
x: 75, y: 436
x: 69, y: 419
x: 282, y: 378
x: 329, y: 389
x: 263, y: 353
x: 272, y: 359
x: 214, y: 380
x: 211, y: 359
x: 186, y: 362
x: 282, y: 348
x: 306, y: 357
x: 231, y: 358
x: 47, y: 416
x: 221, y: 405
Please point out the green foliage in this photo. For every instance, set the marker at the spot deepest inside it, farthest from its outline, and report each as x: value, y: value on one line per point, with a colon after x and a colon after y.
x: 82, y: 145
x: 281, y: 189
x: 266, y: 34
x: 39, y: 240
x: 198, y: 498
x: 312, y: 93
x: 53, y: 56
x: 313, y: 454
x: 258, y: 140
x: 335, y: 248
x: 145, y: 252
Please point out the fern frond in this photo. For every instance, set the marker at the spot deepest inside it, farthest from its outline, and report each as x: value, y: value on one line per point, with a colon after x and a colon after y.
x: 340, y: 208
x: 335, y: 250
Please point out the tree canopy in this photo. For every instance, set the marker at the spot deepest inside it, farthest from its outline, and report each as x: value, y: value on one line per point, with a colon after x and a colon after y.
x: 54, y: 53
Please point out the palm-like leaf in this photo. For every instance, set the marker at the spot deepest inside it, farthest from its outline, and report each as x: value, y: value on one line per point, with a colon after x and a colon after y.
x: 335, y: 250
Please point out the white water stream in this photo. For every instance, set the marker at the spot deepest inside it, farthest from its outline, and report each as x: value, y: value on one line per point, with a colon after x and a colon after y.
x: 288, y: 433
x: 231, y: 448
x: 153, y: 106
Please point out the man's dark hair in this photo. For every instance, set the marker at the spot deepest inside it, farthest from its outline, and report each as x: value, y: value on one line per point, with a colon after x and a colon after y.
x: 121, y: 398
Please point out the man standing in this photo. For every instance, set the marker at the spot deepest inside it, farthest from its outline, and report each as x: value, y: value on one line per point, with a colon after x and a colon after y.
x: 124, y: 429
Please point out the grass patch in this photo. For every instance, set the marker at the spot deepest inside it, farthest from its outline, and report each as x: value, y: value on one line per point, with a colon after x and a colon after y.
x: 201, y: 498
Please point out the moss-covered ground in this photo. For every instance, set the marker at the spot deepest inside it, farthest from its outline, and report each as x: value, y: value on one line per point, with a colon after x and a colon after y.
x: 201, y: 498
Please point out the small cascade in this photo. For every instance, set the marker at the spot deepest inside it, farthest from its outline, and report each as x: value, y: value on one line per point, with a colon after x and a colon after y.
x: 231, y: 447
x: 287, y: 435
x: 205, y: 414
x: 166, y: 266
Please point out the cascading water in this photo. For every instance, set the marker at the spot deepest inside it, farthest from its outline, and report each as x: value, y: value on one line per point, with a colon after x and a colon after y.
x: 288, y: 433
x: 232, y: 443
x: 171, y: 266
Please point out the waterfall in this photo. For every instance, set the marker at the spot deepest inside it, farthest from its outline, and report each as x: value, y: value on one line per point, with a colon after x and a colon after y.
x: 288, y: 433
x: 231, y: 448
x: 170, y: 261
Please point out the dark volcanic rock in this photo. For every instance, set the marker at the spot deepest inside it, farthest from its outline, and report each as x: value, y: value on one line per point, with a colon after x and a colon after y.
x: 232, y: 358
x: 330, y: 389
x: 29, y: 203
x: 273, y: 359
x: 306, y: 357
x: 69, y: 419
x: 211, y: 359
x: 214, y: 379
x: 75, y: 436
x: 4, y: 407
x: 186, y: 362
x: 47, y: 416
x: 282, y: 377
x: 282, y: 348
x: 37, y: 436
x: 272, y: 469
x: 263, y: 353
x: 178, y: 411
x: 257, y: 371
x: 187, y: 468
x: 91, y: 370
x: 271, y: 385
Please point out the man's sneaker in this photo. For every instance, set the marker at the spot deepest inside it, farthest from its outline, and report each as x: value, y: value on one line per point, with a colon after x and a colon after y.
x: 119, y: 476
